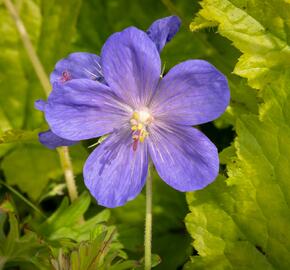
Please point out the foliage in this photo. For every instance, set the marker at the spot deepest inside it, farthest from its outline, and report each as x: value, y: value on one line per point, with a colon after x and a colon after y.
x: 62, y: 241
x: 242, y: 222
x: 27, y: 250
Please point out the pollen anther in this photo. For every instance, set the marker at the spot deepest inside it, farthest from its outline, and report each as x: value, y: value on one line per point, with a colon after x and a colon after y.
x: 139, y: 122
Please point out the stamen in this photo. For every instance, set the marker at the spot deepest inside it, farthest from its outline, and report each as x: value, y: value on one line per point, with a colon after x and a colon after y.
x: 135, y: 144
x: 93, y: 76
x: 135, y: 116
x: 65, y: 76
x: 139, y: 122
x: 133, y: 122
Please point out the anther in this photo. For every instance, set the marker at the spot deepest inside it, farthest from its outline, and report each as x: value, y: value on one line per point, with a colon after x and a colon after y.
x: 65, y: 76
x: 139, y: 122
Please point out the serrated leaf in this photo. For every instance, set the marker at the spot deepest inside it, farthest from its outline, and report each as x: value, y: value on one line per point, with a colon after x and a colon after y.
x: 258, y: 29
x: 243, y: 222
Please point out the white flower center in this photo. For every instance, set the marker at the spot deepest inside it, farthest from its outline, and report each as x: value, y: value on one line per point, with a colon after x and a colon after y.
x: 144, y: 116
x: 139, y: 122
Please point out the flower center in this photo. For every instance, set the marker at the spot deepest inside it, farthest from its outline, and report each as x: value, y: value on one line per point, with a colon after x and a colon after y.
x: 139, y: 122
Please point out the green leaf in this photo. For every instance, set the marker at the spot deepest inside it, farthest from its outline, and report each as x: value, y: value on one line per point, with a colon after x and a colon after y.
x: 25, y: 250
x: 58, y: 30
x: 12, y: 235
x: 7, y: 206
x: 103, y: 252
x: 13, y: 80
x: 65, y: 217
x: 51, y: 27
x: 21, y: 197
x: 242, y: 222
x: 30, y: 167
x: 155, y: 260
x: 38, y: 166
x: 66, y: 221
x: 10, y: 136
x: 257, y: 31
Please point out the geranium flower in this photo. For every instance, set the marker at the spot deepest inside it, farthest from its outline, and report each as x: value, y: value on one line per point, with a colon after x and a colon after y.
x: 83, y: 65
x: 147, y: 118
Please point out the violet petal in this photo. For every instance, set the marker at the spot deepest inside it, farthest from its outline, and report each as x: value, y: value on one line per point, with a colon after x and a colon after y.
x: 51, y: 140
x: 191, y: 93
x: 114, y: 173
x: 83, y: 109
x: 183, y: 157
x: 163, y: 30
x: 79, y: 65
x: 131, y: 65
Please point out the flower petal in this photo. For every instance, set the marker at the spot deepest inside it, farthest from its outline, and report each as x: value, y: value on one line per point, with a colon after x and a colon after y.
x: 163, y: 30
x: 114, y: 173
x: 51, y: 140
x: 78, y: 65
x: 191, y: 93
x: 131, y: 65
x: 83, y: 109
x: 183, y: 157
x: 40, y: 105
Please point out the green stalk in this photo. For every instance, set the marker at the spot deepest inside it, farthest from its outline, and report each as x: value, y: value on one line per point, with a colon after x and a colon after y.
x: 23, y: 199
x: 148, y: 221
x: 68, y: 172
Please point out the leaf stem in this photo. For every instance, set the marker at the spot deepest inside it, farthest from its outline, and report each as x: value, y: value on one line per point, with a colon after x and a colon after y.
x: 148, y: 221
x: 22, y: 198
x: 44, y: 81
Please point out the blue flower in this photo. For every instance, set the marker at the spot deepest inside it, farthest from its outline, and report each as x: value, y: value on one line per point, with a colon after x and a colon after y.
x: 48, y: 138
x: 147, y: 117
x: 82, y: 65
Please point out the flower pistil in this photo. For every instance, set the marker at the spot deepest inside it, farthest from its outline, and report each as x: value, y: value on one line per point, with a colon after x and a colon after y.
x: 139, y: 122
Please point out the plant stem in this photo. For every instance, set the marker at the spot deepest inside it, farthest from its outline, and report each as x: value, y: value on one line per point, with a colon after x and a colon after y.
x: 22, y: 198
x: 148, y: 221
x: 44, y: 81
x: 68, y: 172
